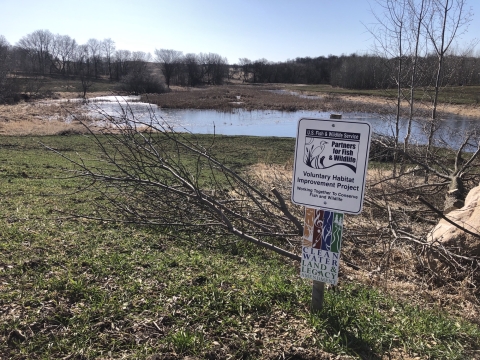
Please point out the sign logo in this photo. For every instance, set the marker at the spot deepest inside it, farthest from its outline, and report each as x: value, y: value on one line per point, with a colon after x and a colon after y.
x: 326, y: 149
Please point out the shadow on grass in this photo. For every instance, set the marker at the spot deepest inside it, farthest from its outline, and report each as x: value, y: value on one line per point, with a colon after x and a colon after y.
x: 362, y: 322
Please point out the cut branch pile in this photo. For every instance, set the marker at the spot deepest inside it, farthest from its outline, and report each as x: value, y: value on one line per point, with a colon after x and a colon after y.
x: 147, y: 173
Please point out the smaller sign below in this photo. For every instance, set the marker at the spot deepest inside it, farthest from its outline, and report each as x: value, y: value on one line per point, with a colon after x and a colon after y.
x: 322, y: 241
x: 331, y: 158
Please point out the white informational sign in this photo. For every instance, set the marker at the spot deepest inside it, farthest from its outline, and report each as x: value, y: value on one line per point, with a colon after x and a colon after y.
x: 331, y: 160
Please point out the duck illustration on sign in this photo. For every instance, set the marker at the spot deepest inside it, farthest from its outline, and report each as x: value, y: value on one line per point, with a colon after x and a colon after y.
x: 326, y: 149
x: 313, y: 150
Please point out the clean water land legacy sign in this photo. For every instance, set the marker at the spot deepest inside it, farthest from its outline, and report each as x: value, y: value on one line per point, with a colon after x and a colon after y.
x: 322, y: 241
x: 331, y: 159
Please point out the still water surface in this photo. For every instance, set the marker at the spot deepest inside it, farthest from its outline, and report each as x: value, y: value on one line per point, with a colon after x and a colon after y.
x: 266, y: 122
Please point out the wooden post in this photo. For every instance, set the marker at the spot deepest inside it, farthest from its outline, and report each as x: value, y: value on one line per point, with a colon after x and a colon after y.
x: 318, y: 288
x: 318, y: 293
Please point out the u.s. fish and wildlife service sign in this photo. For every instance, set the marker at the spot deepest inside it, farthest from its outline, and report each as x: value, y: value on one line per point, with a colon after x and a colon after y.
x: 331, y: 158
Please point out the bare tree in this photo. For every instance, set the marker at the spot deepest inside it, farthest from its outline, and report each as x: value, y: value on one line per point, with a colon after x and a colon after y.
x: 193, y: 69
x: 391, y: 39
x: 140, y: 78
x: 82, y: 57
x: 410, y: 31
x: 65, y: 48
x: 94, y: 49
x: 417, y: 13
x: 214, y: 68
x: 39, y: 44
x: 170, y: 61
x: 5, y: 85
x: 260, y: 71
x: 246, y: 65
x: 122, y: 57
x: 108, y: 50
x: 447, y: 20
x: 139, y: 61
x: 403, y: 27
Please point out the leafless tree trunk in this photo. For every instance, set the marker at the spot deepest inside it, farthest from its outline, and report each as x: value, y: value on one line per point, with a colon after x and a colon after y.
x: 391, y: 38
x: 402, y: 27
x: 82, y: 58
x: 417, y: 17
x: 121, y: 59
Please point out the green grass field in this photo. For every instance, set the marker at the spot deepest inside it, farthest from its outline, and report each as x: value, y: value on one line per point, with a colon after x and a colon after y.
x: 80, y: 289
x: 33, y: 84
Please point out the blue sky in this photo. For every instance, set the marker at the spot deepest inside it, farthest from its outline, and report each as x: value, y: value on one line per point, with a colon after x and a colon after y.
x: 273, y: 29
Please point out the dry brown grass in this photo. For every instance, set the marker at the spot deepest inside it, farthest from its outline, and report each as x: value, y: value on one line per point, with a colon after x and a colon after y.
x: 39, y: 127
x: 423, y: 108
x: 257, y: 97
x: 48, y: 116
x: 41, y: 118
x: 226, y: 98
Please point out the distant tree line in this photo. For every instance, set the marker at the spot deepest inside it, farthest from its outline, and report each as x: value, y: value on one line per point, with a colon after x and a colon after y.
x: 44, y: 53
x: 346, y: 71
x: 192, y: 69
x: 357, y: 71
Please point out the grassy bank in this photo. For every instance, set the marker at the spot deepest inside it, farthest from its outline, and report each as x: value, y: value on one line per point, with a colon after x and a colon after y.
x: 462, y: 95
x: 58, y: 84
x: 459, y: 95
x: 323, y: 98
x: 80, y: 289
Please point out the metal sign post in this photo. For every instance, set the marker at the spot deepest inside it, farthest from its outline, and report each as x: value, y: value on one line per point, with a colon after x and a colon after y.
x: 331, y: 158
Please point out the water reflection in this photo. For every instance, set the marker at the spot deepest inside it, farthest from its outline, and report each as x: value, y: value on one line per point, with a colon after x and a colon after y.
x: 271, y: 122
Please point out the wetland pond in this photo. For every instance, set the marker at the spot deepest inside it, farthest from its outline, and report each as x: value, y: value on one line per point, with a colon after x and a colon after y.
x: 266, y: 122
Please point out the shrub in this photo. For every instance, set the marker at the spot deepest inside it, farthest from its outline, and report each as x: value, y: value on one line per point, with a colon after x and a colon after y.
x: 141, y: 82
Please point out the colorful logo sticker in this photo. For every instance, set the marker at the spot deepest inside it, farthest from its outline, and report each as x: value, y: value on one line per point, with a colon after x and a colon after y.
x: 322, y: 239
